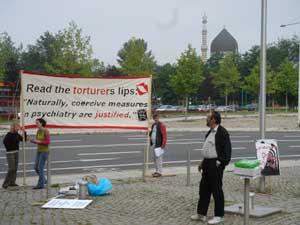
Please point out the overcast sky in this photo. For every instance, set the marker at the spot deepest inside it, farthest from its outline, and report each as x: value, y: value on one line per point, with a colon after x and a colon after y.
x: 167, y: 25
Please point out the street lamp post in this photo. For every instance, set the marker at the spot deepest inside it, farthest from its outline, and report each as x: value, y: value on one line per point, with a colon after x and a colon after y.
x: 263, y: 70
x: 286, y: 25
x: 299, y: 86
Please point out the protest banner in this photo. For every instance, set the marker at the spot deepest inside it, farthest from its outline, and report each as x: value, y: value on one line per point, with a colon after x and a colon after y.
x: 268, y: 155
x: 77, y: 102
x: 85, y: 103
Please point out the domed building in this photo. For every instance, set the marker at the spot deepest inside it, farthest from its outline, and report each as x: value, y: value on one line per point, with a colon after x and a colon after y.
x: 224, y: 43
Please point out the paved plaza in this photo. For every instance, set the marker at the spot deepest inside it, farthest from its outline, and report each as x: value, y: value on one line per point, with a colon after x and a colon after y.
x: 165, y: 200
x: 158, y: 201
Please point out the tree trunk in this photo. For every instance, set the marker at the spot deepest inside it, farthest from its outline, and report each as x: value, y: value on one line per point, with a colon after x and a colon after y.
x: 273, y: 104
x: 286, y: 102
x: 258, y: 106
x: 186, y: 107
x: 226, y: 100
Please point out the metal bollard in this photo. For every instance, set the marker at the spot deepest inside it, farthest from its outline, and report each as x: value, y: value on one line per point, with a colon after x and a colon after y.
x: 82, y: 190
x: 144, y: 164
x: 188, y: 168
x: 246, y: 201
x: 49, y: 176
x: 251, y: 200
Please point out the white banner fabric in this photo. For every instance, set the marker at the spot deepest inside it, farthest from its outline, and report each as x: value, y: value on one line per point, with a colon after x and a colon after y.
x: 75, y: 102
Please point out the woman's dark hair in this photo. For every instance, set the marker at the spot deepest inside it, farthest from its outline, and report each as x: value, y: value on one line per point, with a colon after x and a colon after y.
x: 155, y: 115
x: 42, y: 121
x: 216, y: 115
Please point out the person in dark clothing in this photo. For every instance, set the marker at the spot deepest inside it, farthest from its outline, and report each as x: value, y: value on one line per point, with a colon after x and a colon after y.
x: 11, y: 142
x: 217, y: 155
x: 158, y: 140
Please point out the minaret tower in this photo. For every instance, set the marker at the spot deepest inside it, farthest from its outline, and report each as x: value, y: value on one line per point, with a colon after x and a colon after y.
x: 204, y: 47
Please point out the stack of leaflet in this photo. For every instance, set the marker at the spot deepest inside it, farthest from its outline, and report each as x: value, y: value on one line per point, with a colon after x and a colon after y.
x: 249, y: 168
x: 69, y: 191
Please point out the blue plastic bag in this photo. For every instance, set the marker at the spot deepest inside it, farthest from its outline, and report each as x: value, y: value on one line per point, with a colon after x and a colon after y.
x: 101, y: 188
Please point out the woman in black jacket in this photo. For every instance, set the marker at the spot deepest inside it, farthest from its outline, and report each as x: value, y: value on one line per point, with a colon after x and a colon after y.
x: 11, y: 142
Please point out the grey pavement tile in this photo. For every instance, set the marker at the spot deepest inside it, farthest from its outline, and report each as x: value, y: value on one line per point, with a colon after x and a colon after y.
x: 162, y: 201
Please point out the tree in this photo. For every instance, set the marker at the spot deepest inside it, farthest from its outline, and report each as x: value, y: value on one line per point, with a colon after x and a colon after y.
x: 134, y: 58
x: 188, y: 76
x: 76, y: 52
x: 42, y: 54
x: 11, y: 72
x: 161, y: 86
x: 283, y: 48
x: 98, y: 68
x: 271, y: 85
x: 9, y: 58
x: 227, y: 79
x: 252, y: 82
x: 112, y: 70
x: 287, y: 79
x: 67, y: 52
x: 213, y: 63
x: 248, y: 61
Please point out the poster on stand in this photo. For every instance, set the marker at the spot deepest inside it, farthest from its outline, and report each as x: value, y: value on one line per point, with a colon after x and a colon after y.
x: 268, y: 155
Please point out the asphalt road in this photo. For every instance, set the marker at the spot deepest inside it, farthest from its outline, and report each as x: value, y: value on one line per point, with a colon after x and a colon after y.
x: 120, y: 151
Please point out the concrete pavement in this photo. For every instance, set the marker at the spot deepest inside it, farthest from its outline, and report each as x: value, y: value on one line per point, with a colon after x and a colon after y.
x: 158, y: 201
x: 166, y: 200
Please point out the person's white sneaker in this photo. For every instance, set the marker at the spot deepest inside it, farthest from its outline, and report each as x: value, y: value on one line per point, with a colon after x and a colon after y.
x: 216, y: 220
x: 198, y: 217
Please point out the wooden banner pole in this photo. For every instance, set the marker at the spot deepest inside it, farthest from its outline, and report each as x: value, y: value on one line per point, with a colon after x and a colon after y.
x: 149, y: 115
x: 23, y: 127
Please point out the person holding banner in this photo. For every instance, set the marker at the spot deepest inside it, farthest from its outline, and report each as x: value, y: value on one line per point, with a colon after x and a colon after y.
x: 158, y: 139
x: 42, y: 140
x: 11, y: 142
x: 217, y: 154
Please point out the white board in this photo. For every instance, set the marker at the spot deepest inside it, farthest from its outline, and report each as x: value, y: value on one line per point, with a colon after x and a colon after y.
x: 67, y: 204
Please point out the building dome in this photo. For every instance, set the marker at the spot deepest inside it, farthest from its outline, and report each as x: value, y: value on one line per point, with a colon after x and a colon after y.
x: 224, y: 43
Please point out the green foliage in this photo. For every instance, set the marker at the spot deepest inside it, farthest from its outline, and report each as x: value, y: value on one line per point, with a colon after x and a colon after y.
x: 98, y: 68
x: 41, y: 54
x: 67, y: 52
x: 11, y: 72
x: 287, y: 79
x: 213, y: 63
x: 271, y: 82
x: 252, y: 82
x: 161, y: 87
x: 134, y: 58
x: 248, y: 61
x: 9, y: 57
x: 189, y: 73
x: 227, y: 79
x: 112, y: 70
x: 284, y: 48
